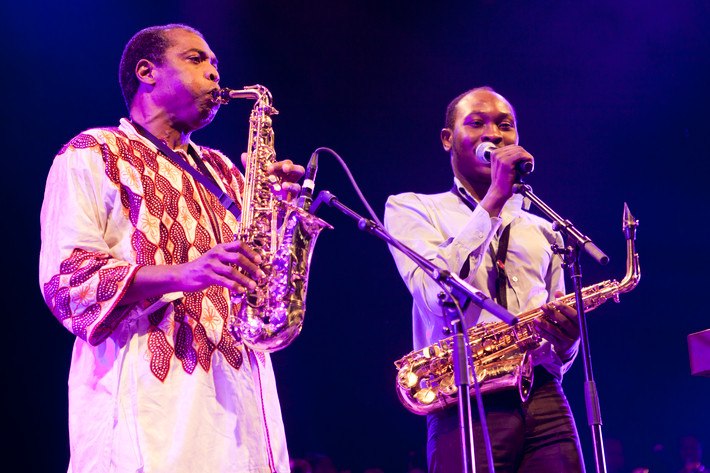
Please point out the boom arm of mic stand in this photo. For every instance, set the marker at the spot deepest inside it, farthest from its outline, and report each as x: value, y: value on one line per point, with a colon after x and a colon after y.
x: 459, y: 286
x: 565, y: 226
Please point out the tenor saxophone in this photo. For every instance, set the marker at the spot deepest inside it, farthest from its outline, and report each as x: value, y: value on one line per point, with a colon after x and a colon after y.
x: 499, y: 352
x: 270, y: 316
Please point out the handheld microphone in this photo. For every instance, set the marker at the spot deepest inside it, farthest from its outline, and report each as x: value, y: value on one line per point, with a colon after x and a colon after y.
x: 483, y: 153
x: 305, y: 199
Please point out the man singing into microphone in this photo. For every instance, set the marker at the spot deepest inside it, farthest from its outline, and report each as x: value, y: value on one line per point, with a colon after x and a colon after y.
x: 139, y: 260
x: 480, y: 231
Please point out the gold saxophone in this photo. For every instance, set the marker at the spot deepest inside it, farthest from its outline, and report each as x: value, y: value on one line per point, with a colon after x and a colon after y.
x: 271, y: 316
x: 499, y: 352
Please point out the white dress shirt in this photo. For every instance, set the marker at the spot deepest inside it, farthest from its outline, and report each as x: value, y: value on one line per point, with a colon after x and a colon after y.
x: 449, y: 232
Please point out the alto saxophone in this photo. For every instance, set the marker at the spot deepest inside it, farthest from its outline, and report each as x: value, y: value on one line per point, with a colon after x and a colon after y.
x: 499, y: 352
x: 270, y: 316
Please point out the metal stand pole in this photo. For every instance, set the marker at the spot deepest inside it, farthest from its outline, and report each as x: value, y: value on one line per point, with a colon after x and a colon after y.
x: 461, y: 379
x: 571, y: 258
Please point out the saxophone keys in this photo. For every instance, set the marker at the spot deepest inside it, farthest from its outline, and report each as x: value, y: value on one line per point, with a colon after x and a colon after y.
x: 425, y: 396
x: 447, y: 386
x: 408, y: 379
x: 274, y: 183
x: 506, y: 338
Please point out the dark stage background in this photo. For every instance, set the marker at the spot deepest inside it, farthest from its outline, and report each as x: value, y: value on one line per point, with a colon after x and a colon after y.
x: 611, y: 98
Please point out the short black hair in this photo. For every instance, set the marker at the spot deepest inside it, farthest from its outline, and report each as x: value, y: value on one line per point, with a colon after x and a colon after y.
x: 149, y: 43
x: 450, y: 118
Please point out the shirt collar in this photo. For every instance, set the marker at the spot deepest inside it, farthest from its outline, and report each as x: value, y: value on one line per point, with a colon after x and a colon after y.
x: 127, y: 127
x: 463, y: 193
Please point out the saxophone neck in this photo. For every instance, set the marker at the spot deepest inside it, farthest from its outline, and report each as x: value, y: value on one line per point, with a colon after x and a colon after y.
x: 256, y: 92
x: 633, y: 269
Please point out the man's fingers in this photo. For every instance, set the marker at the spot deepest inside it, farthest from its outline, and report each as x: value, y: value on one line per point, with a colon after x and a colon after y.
x: 235, y: 281
x: 238, y: 247
x: 559, y: 320
x: 238, y: 261
x: 563, y: 311
x: 286, y: 170
x: 288, y: 191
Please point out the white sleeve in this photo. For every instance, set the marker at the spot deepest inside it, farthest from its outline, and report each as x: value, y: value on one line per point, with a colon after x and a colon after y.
x: 80, y: 281
x: 411, y: 221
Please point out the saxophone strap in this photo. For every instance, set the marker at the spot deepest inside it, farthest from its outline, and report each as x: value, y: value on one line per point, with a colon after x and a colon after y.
x: 498, y: 256
x: 205, y: 178
x: 502, y: 279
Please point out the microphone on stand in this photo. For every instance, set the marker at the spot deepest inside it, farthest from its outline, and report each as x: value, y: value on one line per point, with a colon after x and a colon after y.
x: 305, y: 199
x: 483, y: 153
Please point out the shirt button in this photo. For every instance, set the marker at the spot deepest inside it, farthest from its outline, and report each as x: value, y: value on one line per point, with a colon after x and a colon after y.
x: 479, y: 234
x: 514, y: 278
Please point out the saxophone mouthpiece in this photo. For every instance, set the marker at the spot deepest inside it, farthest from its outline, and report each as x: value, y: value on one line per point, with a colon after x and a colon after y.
x: 221, y: 96
x: 629, y: 223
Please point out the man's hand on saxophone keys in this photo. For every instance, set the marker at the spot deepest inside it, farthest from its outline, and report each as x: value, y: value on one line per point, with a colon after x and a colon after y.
x: 233, y: 265
x: 285, y: 175
x: 560, y: 326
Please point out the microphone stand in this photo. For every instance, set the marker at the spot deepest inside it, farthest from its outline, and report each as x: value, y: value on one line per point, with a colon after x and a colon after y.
x: 570, y: 255
x: 456, y: 290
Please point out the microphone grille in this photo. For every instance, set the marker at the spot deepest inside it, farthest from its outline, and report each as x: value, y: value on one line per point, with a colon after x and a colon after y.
x: 483, y: 151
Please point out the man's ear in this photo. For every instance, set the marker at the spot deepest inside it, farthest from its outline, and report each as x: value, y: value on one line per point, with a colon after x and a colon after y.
x: 446, y: 139
x: 144, y: 72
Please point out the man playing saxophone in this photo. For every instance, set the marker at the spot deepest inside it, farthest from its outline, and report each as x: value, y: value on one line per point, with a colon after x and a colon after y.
x: 480, y: 231
x: 138, y: 261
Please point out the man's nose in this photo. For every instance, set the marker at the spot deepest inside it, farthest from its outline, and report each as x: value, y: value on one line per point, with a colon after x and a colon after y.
x: 492, y: 134
x: 213, y: 74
